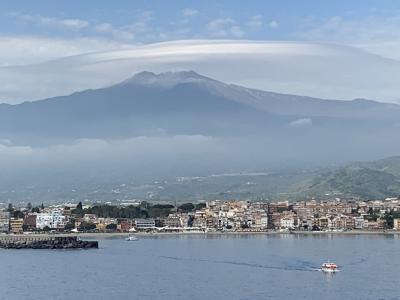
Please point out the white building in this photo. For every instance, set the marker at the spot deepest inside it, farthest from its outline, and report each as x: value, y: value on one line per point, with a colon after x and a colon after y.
x: 396, y: 224
x: 53, y: 220
x: 145, y: 224
x: 287, y: 223
x: 4, y: 221
x: 359, y: 223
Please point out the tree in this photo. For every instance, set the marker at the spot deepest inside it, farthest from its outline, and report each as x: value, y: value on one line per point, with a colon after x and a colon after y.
x: 86, y: 226
x: 29, y: 206
x: 70, y: 225
x: 17, y: 214
x: 389, y: 217
x: 111, y: 226
x: 42, y: 206
x: 46, y: 228
x: 200, y: 206
x: 79, y: 210
x: 35, y: 210
x: 10, y: 208
x: 144, y: 204
x: 186, y: 207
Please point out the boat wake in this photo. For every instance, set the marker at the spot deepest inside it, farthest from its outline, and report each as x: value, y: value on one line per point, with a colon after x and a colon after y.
x: 250, y: 265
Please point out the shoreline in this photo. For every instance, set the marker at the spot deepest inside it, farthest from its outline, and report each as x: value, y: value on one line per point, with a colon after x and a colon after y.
x: 212, y: 233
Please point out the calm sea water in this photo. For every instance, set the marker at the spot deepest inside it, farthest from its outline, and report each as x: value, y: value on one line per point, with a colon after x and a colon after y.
x: 212, y: 267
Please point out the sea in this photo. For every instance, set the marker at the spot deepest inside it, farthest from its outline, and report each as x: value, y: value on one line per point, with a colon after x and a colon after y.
x: 253, y: 266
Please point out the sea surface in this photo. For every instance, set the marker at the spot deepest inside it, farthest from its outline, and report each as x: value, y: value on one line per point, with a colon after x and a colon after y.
x: 208, y: 267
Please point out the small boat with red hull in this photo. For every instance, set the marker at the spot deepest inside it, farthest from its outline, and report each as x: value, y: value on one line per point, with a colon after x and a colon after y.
x: 329, y: 267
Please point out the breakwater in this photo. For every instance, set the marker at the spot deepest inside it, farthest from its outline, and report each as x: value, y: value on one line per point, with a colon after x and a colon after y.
x: 45, y: 242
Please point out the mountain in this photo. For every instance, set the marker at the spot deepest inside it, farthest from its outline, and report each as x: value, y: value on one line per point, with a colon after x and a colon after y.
x: 322, y: 70
x: 186, y: 103
x: 182, y: 124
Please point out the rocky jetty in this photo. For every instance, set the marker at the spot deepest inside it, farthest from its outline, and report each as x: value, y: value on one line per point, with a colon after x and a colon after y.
x: 47, y: 242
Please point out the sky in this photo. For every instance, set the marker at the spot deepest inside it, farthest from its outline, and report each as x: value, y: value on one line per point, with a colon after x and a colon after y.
x: 36, y: 32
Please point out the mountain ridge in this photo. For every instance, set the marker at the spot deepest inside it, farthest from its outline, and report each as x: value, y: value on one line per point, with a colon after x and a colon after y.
x: 187, y: 103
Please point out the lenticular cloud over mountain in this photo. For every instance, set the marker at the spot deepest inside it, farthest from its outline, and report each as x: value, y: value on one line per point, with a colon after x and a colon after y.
x: 312, y: 69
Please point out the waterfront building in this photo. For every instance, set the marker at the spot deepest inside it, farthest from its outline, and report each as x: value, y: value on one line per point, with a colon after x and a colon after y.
x: 173, y: 221
x: 143, y: 224
x: 30, y: 222
x: 260, y: 220
x: 16, y: 225
x: 4, y: 221
x: 287, y: 223
x: 53, y: 219
x: 359, y: 222
x: 124, y: 224
x: 396, y: 224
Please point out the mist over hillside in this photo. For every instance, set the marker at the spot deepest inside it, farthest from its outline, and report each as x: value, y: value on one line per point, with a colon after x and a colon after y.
x: 153, y: 126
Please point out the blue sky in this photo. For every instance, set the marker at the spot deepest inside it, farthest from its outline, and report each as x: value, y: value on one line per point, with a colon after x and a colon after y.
x: 152, y: 21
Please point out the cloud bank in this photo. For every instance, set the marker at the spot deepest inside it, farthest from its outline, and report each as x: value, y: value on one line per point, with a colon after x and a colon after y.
x: 313, y: 69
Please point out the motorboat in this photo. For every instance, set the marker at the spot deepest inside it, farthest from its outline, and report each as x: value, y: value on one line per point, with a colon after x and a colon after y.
x: 329, y: 267
x: 131, y: 238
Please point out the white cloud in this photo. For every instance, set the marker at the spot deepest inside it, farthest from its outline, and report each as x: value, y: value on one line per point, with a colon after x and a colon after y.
x: 224, y: 27
x: 236, y: 31
x: 84, y: 151
x: 117, y: 33
x: 378, y: 32
x: 313, y: 69
x: 255, y: 22
x: 23, y: 50
x: 128, y: 32
x: 189, y: 12
x: 74, y: 24
x: 273, y: 24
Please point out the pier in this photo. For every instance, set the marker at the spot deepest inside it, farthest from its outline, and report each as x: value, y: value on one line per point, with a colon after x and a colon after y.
x: 45, y: 242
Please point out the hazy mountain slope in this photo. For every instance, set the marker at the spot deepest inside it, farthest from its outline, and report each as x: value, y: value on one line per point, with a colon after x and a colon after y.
x: 186, y: 103
x: 374, y: 180
x: 350, y: 181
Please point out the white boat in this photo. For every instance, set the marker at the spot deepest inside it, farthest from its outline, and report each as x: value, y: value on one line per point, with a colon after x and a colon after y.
x: 131, y: 238
x: 329, y: 267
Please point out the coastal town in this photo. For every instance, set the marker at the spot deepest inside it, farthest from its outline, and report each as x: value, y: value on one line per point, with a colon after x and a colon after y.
x: 207, y: 216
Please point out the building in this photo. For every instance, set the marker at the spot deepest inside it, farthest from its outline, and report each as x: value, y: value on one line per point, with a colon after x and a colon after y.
x: 4, y: 221
x: 359, y: 223
x: 54, y: 220
x: 16, y: 225
x: 143, y: 224
x: 287, y: 223
x: 90, y: 218
x: 396, y: 224
x: 173, y: 221
x: 30, y: 222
